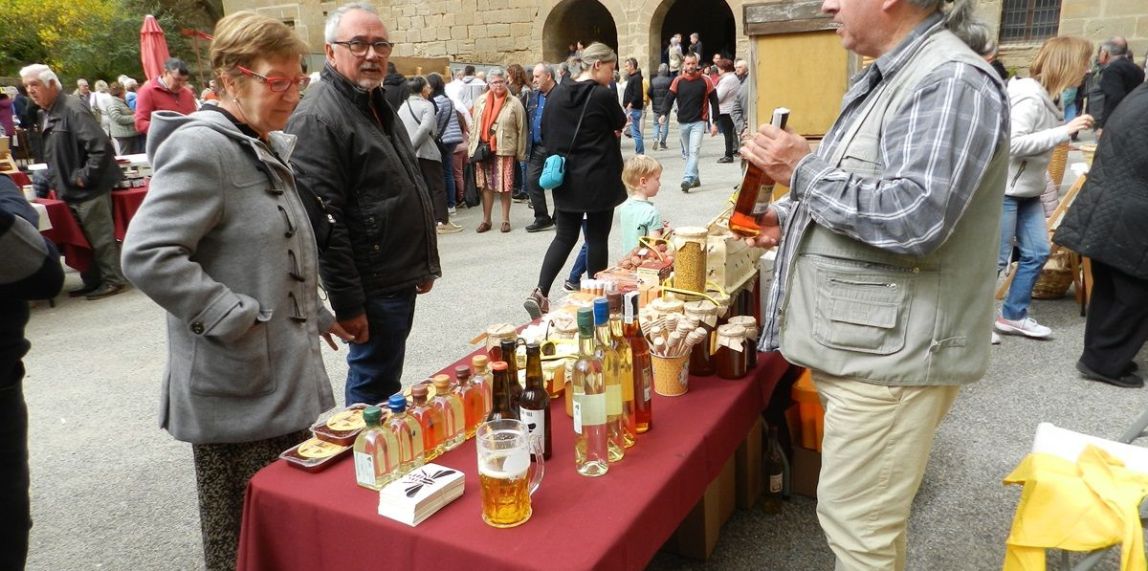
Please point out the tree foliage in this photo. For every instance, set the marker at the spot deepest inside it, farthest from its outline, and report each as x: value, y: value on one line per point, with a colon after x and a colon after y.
x: 95, y: 38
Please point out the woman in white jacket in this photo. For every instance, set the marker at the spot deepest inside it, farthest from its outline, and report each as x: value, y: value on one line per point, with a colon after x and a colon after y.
x: 418, y: 116
x: 1036, y: 129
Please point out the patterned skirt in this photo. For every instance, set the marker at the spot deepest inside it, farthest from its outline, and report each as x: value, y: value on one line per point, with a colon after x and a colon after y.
x: 496, y: 173
x: 221, y: 475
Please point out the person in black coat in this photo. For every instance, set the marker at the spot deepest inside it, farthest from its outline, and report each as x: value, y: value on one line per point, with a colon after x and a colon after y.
x: 1106, y: 223
x: 592, y: 186
x: 1119, y: 78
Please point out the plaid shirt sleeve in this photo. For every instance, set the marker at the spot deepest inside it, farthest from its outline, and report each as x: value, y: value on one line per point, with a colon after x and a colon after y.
x: 934, y: 158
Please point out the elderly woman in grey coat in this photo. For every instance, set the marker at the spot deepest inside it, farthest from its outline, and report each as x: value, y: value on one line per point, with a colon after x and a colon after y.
x: 418, y: 116
x: 122, y: 122
x: 225, y: 243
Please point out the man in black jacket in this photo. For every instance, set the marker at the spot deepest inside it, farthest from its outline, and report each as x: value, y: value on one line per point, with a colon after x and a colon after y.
x: 355, y: 154
x: 395, y: 87
x: 634, y: 101
x: 536, y: 152
x: 31, y: 270
x: 658, y: 91
x: 1120, y: 76
x: 82, y: 169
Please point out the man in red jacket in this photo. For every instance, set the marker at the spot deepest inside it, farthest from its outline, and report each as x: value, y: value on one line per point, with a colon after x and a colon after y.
x: 168, y: 92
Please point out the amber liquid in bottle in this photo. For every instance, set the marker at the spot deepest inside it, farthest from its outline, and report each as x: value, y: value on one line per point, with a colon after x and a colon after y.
x: 430, y: 419
x: 643, y: 371
x: 509, y: 351
x: 501, y: 394
x: 755, y: 192
x: 473, y: 401
x: 625, y: 370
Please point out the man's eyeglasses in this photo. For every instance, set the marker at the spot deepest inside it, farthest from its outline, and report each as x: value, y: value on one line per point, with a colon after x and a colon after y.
x: 358, y: 48
x: 278, y: 84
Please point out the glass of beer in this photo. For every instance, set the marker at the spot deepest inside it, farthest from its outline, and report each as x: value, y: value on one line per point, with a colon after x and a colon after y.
x: 505, y: 473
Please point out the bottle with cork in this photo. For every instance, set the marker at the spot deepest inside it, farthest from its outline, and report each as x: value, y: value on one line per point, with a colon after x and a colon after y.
x: 756, y: 191
x: 430, y: 420
x: 448, y: 403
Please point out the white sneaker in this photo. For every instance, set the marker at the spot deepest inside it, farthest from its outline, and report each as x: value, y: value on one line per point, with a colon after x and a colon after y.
x: 448, y: 228
x: 1027, y: 327
x: 996, y: 339
x: 452, y: 211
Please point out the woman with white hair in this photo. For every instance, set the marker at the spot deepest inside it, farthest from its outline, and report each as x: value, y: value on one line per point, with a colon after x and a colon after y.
x: 500, y: 122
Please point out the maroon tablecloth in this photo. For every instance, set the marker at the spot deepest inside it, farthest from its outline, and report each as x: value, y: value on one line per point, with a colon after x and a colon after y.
x: 297, y: 520
x: 67, y: 235
x: 125, y: 203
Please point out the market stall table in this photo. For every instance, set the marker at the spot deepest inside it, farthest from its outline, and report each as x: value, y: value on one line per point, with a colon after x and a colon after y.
x: 67, y: 234
x: 125, y: 203
x: 298, y: 520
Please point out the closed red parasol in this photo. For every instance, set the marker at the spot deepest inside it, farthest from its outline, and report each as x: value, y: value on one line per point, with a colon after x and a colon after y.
x: 153, y: 47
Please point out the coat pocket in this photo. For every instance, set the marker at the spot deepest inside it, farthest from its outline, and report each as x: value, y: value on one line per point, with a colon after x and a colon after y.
x: 241, y: 368
x: 864, y: 312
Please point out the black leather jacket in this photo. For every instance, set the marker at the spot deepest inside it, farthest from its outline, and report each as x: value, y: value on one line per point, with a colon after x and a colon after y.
x: 659, y: 88
x: 78, y: 152
x: 355, y: 154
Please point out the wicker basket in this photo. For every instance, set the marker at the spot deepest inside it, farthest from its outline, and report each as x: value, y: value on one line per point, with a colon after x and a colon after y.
x: 1055, y: 277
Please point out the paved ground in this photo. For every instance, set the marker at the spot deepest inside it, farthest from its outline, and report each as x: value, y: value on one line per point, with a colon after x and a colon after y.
x: 110, y: 490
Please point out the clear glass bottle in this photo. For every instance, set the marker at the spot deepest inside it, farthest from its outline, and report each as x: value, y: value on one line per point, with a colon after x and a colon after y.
x: 534, y: 404
x: 501, y: 392
x: 589, y: 406
x: 408, y: 433
x: 430, y: 419
x: 625, y: 369
x: 480, y: 377
x: 473, y: 401
x: 376, y: 452
x: 643, y: 368
x: 449, y: 404
x: 611, y: 372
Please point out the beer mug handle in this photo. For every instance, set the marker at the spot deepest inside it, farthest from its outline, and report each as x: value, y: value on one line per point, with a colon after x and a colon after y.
x: 538, y: 467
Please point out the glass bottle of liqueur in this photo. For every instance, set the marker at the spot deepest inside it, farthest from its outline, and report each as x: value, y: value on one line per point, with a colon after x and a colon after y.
x: 409, y: 434
x: 755, y: 192
x: 589, y: 408
x: 509, y: 348
x: 473, y: 401
x: 376, y: 452
x: 481, y: 377
x: 643, y: 372
x: 449, y: 405
x: 501, y: 394
x: 430, y: 420
x: 774, y: 473
x: 625, y: 369
x: 534, y: 404
x: 611, y: 373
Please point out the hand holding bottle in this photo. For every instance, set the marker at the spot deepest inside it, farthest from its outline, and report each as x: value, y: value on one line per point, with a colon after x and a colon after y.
x: 770, y: 230
x: 775, y: 151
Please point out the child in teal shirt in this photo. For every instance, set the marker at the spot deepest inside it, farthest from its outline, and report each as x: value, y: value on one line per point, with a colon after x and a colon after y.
x: 642, y: 176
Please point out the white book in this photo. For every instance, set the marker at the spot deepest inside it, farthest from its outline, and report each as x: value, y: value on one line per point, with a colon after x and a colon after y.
x: 418, y: 495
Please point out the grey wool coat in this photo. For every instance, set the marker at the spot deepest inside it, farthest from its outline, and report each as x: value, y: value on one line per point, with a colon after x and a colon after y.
x: 223, y: 243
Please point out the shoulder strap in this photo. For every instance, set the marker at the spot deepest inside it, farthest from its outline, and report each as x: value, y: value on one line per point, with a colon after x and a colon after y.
x: 578, y: 127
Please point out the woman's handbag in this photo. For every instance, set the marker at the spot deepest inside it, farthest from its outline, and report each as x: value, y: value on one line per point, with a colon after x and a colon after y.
x: 481, y: 152
x: 554, y: 169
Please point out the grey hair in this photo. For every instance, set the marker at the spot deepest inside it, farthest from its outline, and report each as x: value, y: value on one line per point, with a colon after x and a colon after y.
x: 41, y: 72
x: 1114, y: 49
x: 979, y: 38
x: 594, y: 53
x: 562, y: 69
x: 958, y: 17
x: 495, y: 72
x: 549, y: 68
x: 331, y: 28
x: 663, y: 69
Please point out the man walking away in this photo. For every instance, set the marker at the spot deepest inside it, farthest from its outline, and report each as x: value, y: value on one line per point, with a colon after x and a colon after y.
x: 659, y: 89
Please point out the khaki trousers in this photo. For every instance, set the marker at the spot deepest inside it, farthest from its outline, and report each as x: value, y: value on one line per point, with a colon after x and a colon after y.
x: 873, y: 456
x: 95, y: 218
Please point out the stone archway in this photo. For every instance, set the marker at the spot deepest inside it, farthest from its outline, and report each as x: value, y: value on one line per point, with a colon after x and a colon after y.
x: 713, y: 20
x: 572, y: 21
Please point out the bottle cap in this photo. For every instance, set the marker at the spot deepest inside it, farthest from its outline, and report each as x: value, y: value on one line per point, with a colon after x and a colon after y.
x: 419, y: 391
x: 601, y: 310
x: 397, y: 403
x: 372, y: 414
x: 585, y: 321
x: 498, y: 366
x: 532, y: 348
x: 440, y: 381
x: 480, y: 361
x: 462, y: 372
x: 615, y: 301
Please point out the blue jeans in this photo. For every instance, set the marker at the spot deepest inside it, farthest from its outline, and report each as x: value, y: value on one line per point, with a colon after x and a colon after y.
x: 636, y: 131
x: 661, y: 131
x: 691, y: 134
x: 1023, y: 218
x: 579, y: 266
x: 375, y: 368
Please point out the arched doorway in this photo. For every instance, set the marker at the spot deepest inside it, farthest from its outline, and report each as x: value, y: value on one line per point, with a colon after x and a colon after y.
x: 711, y: 19
x: 573, y: 21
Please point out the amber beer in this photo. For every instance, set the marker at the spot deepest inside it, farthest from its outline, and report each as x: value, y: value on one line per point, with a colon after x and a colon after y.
x: 506, y: 475
x: 505, y: 497
x: 755, y: 192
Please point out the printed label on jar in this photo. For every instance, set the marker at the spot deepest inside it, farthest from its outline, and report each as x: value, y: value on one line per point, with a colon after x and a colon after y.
x: 535, y: 421
x: 776, y: 483
x: 613, y: 400
x: 364, y: 469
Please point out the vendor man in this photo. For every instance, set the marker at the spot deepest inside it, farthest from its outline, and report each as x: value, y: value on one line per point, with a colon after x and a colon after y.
x: 886, y: 259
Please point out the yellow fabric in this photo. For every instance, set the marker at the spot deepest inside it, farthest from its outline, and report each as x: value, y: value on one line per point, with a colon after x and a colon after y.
x: 1089, y: 505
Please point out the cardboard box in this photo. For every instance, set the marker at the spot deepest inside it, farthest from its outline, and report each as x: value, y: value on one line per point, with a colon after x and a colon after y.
x: 697, y: 535
x: 805, y: 468
x: 750, y: 467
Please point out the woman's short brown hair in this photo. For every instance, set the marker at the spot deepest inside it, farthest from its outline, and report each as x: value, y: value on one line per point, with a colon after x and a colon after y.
x: 244, y: 37
x: 1061, y: 63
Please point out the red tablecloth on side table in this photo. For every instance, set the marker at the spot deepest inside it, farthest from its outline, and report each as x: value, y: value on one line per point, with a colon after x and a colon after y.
x: 67, y: 235
x: 125, y: 203
x: 296, y: 520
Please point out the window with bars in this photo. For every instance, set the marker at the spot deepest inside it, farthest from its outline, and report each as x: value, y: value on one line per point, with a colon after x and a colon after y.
x: 1029, y: 20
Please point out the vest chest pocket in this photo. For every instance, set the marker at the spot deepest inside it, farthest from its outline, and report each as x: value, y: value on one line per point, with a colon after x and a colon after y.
x: 864, y: 312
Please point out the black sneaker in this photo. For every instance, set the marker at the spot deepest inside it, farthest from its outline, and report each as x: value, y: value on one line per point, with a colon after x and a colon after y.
x: 520, y: 198
x: 724, y: 160
x: 570, y: 286
x: 105, y: 290
x: 540, y: 225
x: 697, y: 183
x: 82, y: 291
x: 687, y: 185
x: 1127, y: 381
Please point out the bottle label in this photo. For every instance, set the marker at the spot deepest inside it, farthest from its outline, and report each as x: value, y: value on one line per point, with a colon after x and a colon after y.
x: 364, y: 469
x: 614, y: 400
x: 764, y: 196
x: 577, y: 411
x: 593, y: 409
x: 776, y: 483
x: 647, y: 384
x: 535, y: 421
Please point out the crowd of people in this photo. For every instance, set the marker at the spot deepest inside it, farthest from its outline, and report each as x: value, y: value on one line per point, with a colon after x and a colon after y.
x: 271, y: 183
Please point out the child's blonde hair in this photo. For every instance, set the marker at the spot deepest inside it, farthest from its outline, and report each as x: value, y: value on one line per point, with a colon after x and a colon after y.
x: 638, y: 167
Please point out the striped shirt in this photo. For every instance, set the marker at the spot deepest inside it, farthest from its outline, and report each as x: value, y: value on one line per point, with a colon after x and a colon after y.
x: 933, y: 160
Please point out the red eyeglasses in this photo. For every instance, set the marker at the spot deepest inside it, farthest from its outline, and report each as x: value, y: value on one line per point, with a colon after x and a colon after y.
x: 278, y: 84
